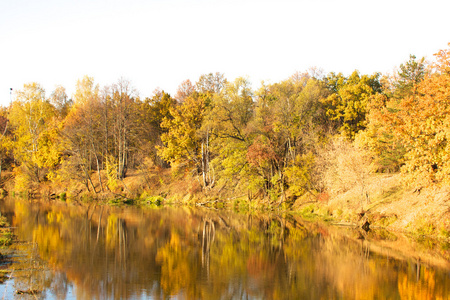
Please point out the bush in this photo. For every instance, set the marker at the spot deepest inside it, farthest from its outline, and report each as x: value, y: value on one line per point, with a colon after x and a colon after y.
x: 63, y: 196
x: 154, y: 200
x: 422, y: 227
x: 345, y: 166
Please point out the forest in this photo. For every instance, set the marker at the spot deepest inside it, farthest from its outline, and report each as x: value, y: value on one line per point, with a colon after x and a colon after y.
x: 310, y: 136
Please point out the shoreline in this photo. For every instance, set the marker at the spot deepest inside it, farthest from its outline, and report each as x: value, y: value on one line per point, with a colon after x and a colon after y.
x: 389, y: 204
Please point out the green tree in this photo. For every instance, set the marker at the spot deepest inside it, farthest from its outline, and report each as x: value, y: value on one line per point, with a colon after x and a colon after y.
x: 264, y: 142
x: 226, y: 127
x: 408, y: 77
x: 288, y: 125
x: 232, y: 110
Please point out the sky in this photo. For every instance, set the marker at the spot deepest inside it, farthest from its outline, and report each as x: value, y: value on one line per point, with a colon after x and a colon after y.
x: 157, y: 44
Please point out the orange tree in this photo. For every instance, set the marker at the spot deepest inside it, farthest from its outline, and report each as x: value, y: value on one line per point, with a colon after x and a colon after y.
x: 384, y: 113
x: 424, y: 125
x: 413, y: 122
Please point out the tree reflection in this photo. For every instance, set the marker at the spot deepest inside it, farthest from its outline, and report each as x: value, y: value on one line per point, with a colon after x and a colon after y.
x: 199, y: 254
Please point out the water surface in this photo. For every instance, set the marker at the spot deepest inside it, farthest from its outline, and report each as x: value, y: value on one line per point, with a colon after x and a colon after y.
x: 71, y: 251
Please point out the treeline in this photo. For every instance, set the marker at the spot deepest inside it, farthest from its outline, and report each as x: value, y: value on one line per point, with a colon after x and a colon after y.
x: 306, y: 135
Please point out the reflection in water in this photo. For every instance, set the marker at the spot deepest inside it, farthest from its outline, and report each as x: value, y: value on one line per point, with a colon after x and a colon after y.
x: 128, y: 253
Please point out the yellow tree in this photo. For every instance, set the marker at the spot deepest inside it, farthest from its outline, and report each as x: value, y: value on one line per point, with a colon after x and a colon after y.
x: 154, y: 111
x: 185, y: 145
x: 36, y: 148
x: 347, y: 104
x: 187, y: 130
x: 6, y: 157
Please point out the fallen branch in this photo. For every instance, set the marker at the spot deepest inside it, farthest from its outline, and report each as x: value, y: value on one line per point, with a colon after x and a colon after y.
x: 124, y: 197
x: 207, y: 202
x: 344, y: 224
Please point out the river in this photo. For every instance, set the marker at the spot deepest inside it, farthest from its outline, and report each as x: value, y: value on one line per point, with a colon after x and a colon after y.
x: 74, y: 251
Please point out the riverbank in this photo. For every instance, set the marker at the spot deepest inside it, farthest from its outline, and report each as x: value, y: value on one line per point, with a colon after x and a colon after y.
x: 386, y: 202
x: 389, y: 204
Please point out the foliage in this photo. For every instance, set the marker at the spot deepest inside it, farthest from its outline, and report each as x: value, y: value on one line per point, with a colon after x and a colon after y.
x: 387, y: 149
x: 385, y: 114
x: 184, y: 143
x: 421, y: 226
x: 36, y: 147
x: 6, y: 236
x: 111, y: 172
x: 266, y: 143
x: 346, y: 106
x: 408, y: 77
x: 425, y: 126
x: 22, y: 181
x: 415, y: 126
x: 152, y: 200
x: 299, y: 175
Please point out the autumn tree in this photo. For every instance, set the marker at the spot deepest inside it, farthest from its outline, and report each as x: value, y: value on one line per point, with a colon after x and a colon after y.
x: 103, y: 130
x: 385, y: 114
x: 124, y: 114
x: 36, y: 147
x: 82, y: 130
x: 60, y: 101
x: 287, y: 126
x: 423, y: 125
x: 185, y: 89
x: 155, y: 110
x: 185, y: 145
x: 346, y: 166
x: 346, y: 106
x: 187, y: 132
x: 223, y: 131
x: 212, y: 83
x: 408, y: 77
x: 6, y: 140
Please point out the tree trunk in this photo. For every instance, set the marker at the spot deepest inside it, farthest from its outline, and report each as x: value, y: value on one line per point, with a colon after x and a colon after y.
x: 203, y: 166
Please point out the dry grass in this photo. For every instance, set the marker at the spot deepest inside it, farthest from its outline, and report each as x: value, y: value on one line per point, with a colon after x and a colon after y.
x: 393, y: 206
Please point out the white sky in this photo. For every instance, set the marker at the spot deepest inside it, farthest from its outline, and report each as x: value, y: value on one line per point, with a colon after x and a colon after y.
x: 160, y: 43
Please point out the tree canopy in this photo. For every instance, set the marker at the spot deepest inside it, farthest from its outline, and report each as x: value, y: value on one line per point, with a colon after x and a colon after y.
x: 267, y: 142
